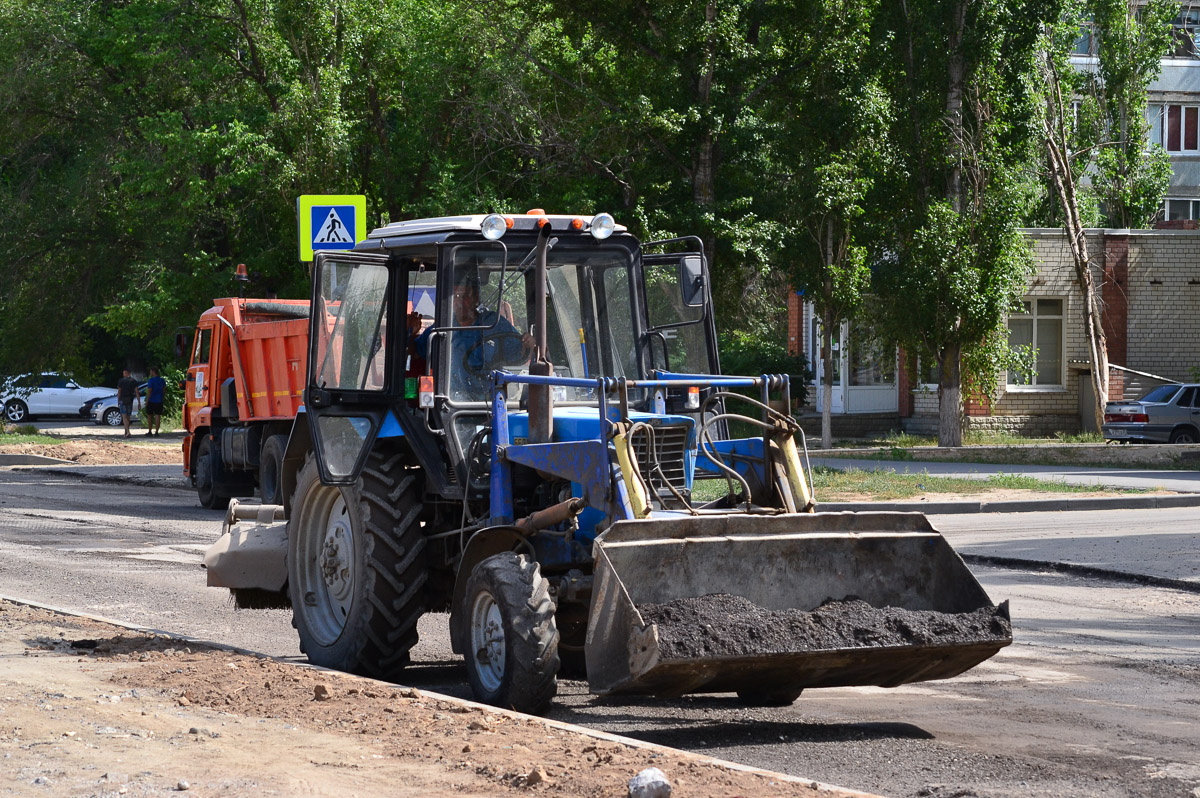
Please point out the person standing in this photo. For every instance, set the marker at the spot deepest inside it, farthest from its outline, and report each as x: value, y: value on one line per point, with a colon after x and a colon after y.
x: 127, y: 395
x: 156, y: 388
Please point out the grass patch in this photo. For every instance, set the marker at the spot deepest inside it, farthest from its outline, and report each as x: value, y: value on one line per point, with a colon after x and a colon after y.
x: 903, y: 440
x: 890, y: 486
x: 24, y: 433
x: 886, y: 485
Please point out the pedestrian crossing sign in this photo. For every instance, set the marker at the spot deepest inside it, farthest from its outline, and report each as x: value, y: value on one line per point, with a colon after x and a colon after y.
x: 330, y: 221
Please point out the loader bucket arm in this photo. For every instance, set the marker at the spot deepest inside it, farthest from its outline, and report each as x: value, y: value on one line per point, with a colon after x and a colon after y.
x: 780, y: 563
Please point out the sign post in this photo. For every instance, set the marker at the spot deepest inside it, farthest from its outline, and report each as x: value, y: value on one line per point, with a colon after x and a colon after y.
x: 330, y: 221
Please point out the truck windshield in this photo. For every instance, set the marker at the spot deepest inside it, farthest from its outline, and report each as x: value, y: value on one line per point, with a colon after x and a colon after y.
x: 589, y: 317
x: 350, y: 326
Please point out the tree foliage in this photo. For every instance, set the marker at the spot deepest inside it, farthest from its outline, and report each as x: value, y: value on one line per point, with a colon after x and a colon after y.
x: 959, y: 82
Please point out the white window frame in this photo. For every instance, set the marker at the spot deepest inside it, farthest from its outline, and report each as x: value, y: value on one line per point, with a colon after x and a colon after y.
x: 1193, y: 207
x: 1033, y: 316
x: 1166, y: 139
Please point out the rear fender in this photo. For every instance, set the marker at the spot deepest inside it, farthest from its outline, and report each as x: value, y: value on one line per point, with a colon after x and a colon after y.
x: 483, y: 544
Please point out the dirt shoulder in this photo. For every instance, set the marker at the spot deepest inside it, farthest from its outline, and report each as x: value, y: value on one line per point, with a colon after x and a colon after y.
x: 103, y: 452
x: 91, y: 708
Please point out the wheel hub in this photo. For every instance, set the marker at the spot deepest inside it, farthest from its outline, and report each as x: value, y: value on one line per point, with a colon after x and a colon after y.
x: 335, y: 562
x: 487, y: 641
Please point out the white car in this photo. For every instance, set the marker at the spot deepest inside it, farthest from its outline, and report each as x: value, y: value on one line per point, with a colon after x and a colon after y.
x: 105, y: 411
x: 48, y: 394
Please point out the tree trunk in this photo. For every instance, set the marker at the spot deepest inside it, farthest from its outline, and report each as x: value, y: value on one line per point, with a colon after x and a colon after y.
x: 950, y: 409
x: 827, y: 367
x: 1064, y: 188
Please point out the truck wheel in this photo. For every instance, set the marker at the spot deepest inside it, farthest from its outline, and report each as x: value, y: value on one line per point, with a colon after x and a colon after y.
x: 512, y: 652
x: 356, y: 567
x: 207, y: 469
x: 16, y: 411
x: 270, y: 469
x: 769, y: 698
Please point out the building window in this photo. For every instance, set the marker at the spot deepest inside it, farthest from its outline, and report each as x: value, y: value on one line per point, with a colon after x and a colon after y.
x: 1179, y: 133
x: 1175, y: 209
x: 1187, y: 30
x: 1038, y: 322
x: 1086, y: 44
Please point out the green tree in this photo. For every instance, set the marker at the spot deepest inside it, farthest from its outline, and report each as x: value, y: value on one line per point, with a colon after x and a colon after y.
x: 952, y: 261
x: 1095, y: 135
x: 151, y: 145
x: 825, y: 128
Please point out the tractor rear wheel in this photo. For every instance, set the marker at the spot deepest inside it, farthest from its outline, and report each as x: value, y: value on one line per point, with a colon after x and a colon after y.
x: 512, y: 651
x: 356, y: 567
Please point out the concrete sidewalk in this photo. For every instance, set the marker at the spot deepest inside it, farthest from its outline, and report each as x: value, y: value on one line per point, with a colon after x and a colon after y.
x: 1179, y: 481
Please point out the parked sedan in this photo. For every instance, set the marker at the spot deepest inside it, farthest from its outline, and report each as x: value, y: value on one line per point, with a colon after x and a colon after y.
x: 1166, y: 414
x: 48, y: 394
x: 105, y: 410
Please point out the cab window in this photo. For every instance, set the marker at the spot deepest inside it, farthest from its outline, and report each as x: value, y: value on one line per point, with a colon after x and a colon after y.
x: 203, y: 341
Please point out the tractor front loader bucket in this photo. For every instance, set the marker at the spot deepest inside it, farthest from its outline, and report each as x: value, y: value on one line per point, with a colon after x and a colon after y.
x: 801, y: 585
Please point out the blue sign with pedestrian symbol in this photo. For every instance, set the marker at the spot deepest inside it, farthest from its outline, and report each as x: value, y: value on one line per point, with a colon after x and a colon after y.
x: 330, y: 222
x: 333, y: 226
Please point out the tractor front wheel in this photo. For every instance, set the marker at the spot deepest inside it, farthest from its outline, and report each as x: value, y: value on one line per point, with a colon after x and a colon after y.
x: 356, y: 568
x: 512, y: 651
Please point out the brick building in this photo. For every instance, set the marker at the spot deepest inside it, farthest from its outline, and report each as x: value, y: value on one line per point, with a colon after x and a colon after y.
x: 1150, y: 282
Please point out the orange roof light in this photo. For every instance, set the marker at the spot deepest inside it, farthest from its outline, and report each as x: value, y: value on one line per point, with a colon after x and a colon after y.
x: 543, y: 222
x: 241, y: 275
x: 535, y: 212
x: 577, y: 223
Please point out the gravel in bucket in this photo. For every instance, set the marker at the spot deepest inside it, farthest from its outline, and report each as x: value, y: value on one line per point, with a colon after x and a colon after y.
x: 724, y: 625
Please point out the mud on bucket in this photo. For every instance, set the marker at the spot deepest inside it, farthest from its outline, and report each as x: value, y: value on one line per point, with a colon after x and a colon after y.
x: 730, y: 603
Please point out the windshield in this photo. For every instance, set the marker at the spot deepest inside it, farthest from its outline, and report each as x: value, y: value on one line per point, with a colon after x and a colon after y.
x: 1163, y: 393
x: 589, y: 317
x: 349, y: 325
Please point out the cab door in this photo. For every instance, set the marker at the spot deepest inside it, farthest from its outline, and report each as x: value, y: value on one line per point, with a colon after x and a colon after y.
x: 198, y: 386
x: 350, y: 375
x: 681, y: 332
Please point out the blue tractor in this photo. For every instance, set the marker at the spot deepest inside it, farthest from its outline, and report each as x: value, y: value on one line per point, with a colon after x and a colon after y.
x: 520, y: 419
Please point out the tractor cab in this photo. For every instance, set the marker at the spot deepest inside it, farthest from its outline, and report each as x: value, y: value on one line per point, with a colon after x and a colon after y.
x: 411, y: 326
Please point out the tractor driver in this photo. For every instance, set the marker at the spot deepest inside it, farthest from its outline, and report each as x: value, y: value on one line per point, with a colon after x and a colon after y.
x: 474, y: 353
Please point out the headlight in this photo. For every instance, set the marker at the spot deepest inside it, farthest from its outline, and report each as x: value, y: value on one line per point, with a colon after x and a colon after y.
x: 602, y: 226
x: 494, y: 225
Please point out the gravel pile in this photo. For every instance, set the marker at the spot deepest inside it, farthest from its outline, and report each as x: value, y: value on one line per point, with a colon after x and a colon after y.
x: 724, y: 625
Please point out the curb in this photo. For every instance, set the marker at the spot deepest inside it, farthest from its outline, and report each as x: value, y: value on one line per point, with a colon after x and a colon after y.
x: 48, y: 467
x: 831, y: 789
x: 1167, y: 501
x: 1082, y: 570
x: 29, y: 459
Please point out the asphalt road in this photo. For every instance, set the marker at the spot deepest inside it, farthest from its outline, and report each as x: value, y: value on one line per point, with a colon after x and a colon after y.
x: 1097, y: 696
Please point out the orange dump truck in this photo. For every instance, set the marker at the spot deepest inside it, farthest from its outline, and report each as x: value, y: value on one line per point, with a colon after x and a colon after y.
x: 244, y: 386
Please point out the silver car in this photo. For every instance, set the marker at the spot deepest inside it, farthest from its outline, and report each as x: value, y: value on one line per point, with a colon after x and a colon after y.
x: 105, y: 411
x: 1166, y: 414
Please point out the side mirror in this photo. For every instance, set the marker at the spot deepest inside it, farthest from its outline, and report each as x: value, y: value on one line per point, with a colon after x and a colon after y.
x: 181, y: 342
x: 691, y: 280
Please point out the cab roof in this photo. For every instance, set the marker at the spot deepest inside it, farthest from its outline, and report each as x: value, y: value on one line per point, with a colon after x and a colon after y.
x: 471, y: 224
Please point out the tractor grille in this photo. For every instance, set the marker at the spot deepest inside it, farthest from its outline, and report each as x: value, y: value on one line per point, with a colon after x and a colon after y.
x: 670, y: 443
